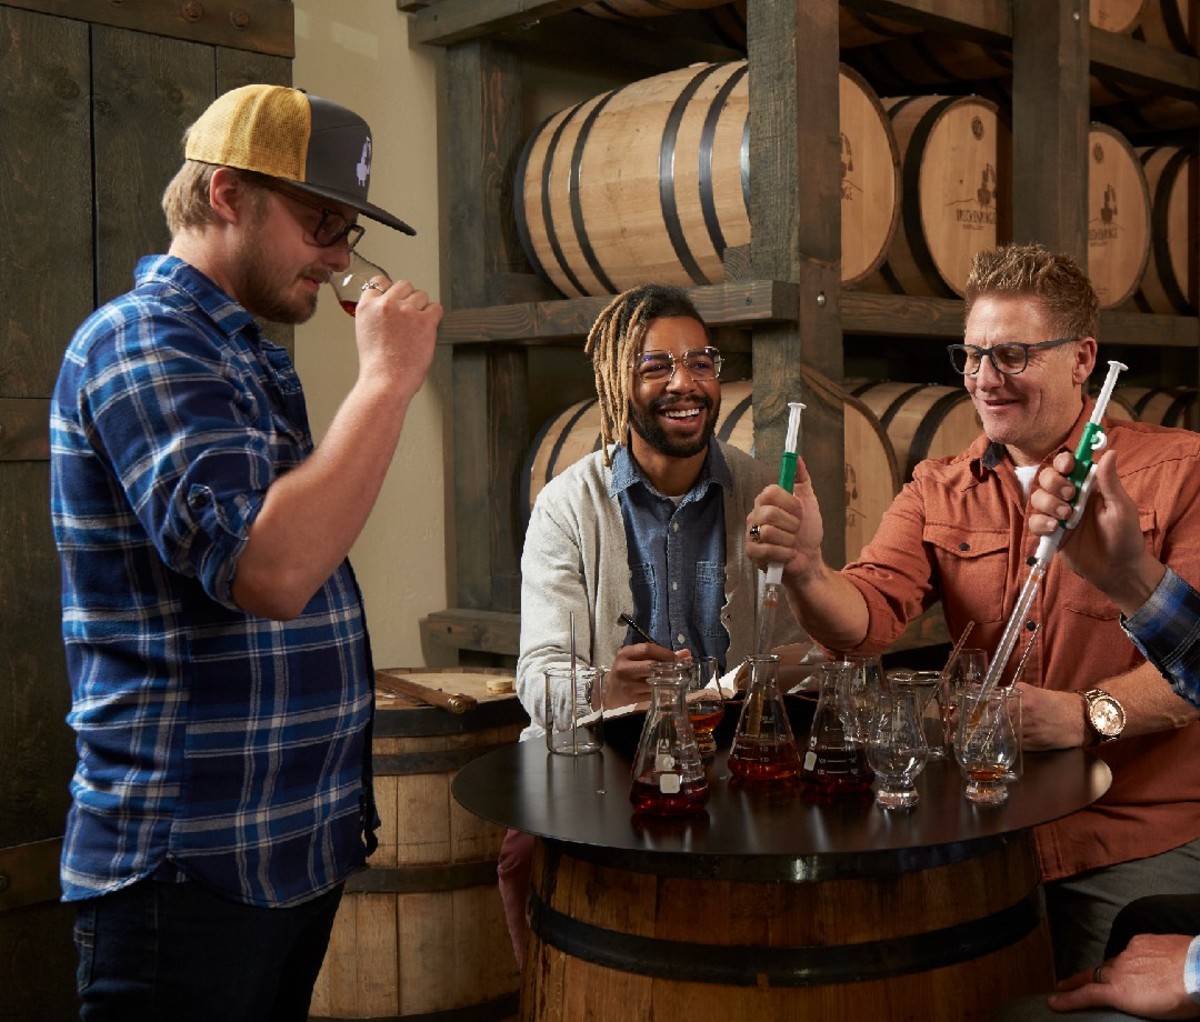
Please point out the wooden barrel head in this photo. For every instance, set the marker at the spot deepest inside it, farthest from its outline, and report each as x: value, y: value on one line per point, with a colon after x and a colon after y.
x: 956, y: 157
x: 1120, y: 16
x: 1118, y: 217
x: 1170, y: 283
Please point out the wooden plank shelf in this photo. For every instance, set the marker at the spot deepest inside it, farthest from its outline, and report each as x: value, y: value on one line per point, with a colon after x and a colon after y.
x: 745, y: 303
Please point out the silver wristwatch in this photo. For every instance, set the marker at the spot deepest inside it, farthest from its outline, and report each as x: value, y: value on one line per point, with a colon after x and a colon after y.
x: 1104, y: 715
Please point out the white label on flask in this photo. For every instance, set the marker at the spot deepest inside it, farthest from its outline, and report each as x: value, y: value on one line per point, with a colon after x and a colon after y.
x: 664, y: 762
x: 668, y: 784
x: 810, y: 760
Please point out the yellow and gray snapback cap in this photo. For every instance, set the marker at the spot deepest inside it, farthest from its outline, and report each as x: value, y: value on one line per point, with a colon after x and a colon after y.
x: 317, y: 145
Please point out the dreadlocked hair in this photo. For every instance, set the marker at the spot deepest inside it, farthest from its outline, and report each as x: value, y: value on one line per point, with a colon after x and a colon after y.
x: 614, y: 342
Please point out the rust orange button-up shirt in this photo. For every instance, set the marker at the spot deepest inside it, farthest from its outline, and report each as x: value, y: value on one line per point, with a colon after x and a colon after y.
x: 957, y: 532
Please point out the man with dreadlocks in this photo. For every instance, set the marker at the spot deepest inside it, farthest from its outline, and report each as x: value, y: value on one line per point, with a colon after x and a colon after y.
x: 651, y: 527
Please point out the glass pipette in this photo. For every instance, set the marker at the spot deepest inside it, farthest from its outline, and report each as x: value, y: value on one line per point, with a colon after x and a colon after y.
x: 787, y: 478
x: 1092, y: 439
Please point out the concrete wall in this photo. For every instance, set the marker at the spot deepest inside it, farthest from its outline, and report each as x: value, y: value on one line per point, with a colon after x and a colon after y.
x: 356, y: 52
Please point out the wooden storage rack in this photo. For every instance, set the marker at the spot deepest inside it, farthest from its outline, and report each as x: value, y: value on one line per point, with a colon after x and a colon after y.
x: 784, y: 289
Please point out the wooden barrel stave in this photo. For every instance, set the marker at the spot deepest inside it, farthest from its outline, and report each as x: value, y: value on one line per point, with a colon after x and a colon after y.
x: 1169, y: 24
x: 938, y: 939
x: 1170, y: 283
x: 921, y: 420
x: 1165, y: 406
x: 871, y: 475
x: 422, y: 931
x: 1118, y: 217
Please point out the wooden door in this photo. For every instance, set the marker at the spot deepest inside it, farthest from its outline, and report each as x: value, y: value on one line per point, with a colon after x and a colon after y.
x: 91, y: 117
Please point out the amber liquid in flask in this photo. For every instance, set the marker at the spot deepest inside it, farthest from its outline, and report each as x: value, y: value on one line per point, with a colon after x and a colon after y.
x: 764, y: 749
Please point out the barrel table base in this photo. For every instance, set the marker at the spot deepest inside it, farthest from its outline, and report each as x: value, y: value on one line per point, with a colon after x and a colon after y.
x: 946, y: 933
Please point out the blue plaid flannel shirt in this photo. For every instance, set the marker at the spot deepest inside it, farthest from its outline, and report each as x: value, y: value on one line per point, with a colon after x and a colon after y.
x: 213, y: 745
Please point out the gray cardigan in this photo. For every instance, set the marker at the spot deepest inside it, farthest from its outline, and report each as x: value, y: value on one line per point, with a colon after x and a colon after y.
x: 576, y: 560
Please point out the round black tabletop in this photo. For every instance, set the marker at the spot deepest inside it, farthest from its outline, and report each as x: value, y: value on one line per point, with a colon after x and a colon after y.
x: 585, y: 801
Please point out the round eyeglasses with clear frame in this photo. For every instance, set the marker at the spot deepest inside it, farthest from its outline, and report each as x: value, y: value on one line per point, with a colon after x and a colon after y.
x: 702, y: 364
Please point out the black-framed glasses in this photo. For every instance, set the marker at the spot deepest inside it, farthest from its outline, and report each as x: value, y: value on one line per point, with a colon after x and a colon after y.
x: 702, y: 364
x: 1007, y: 359
x: 331, y: 228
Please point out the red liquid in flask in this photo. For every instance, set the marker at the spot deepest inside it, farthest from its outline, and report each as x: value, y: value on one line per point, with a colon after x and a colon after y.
x: 648, y: 797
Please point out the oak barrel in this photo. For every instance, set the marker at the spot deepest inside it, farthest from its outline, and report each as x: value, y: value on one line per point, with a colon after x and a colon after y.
x: 921, y: 420
x: 421, y: 932
x: 682, y: 938
x: 1165, y: 406
x: 650, y: 182
x: 1170, y: 24
x: 871, y: 475
x: 955, y: 158
x: 1118, y: 216
x: 1172, y: 279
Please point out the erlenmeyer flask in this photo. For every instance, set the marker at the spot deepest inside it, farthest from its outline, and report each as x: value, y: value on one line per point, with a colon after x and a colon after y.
x: 834, y: 764
x: 668, y: 776
x: 764, y: 750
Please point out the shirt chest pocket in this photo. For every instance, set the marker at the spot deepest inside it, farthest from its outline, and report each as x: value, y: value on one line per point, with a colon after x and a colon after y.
x: 1080, y: 597
x: 971, y: 564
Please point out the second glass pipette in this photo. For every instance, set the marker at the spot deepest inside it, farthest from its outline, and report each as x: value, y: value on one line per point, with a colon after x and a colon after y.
x: 787, y: 478
x: 1092, y: 439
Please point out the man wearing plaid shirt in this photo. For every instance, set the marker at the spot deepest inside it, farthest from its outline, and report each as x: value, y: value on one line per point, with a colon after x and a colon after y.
x: 222, y: 689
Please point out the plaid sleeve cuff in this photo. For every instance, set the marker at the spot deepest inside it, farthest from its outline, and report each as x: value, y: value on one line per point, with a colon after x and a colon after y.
x: 1166, y: 628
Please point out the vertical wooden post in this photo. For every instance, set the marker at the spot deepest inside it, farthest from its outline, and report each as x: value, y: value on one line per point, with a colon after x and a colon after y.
x: 1050, y: 124
x: 795, y: 216
x: 480, y: 110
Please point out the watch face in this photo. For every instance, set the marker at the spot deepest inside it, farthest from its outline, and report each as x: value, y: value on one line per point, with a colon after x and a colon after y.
x: 1106, y: 717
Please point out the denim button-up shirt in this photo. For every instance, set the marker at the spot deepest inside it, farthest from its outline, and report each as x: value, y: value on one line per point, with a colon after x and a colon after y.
x: 676, y: 555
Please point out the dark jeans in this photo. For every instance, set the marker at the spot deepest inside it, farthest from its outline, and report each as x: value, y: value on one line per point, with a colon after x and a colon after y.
x: 157, y: 951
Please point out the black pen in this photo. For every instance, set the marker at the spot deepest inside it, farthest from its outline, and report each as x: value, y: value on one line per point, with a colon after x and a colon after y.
x: 625, y: 619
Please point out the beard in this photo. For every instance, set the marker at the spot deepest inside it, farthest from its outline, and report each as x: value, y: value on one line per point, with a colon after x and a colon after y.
x: 645, y: 424
x: 263, y: 293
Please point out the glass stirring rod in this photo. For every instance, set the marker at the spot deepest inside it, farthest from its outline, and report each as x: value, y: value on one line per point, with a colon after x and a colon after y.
x: 787, y: 478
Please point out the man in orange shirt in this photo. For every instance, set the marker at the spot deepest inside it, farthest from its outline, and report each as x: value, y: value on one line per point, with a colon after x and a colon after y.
x: 957, y: 532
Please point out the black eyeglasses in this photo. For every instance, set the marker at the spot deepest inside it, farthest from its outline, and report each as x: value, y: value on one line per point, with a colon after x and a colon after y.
x: 702, y: 364
x: 1007, y: 359
x: 331, y: 228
